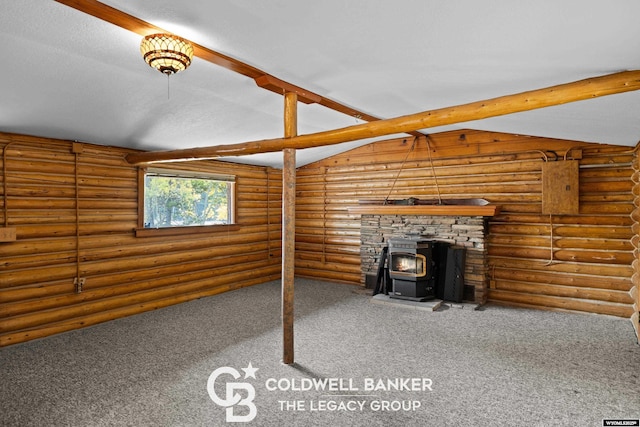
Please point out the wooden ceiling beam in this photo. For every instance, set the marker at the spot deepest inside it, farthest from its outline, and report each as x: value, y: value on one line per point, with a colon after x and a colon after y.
x: 136, y: 25
x: 278, y: 86
x: 262, y: 79
x: 610, y: 84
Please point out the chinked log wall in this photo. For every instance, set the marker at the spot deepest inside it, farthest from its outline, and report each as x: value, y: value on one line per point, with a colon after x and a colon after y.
x: 124, y: 275
x: 591, y: 268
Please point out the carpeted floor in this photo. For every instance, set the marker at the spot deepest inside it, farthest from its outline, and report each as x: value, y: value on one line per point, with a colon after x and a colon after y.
x: 380, y: 365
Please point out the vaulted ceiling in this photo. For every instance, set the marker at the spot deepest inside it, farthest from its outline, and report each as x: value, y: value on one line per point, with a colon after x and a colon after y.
x: 67, y: 74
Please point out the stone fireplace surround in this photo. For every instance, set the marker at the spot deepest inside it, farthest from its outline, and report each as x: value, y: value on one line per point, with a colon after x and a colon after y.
x: 465, y: 231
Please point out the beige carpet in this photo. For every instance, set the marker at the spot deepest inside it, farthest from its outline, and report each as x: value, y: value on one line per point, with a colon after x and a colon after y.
x: 357, y: 364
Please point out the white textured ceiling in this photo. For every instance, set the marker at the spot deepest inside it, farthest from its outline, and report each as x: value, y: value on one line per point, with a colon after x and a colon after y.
x: 69, y: 75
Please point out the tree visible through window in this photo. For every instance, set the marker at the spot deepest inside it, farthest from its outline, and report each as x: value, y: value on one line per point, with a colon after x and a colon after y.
x: 176, y: 199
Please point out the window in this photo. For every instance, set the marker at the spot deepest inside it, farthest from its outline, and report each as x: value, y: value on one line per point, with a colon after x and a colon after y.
x: 176, y: 199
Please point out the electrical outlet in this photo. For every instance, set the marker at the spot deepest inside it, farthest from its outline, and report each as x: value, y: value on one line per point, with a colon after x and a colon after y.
x: 79, y: 284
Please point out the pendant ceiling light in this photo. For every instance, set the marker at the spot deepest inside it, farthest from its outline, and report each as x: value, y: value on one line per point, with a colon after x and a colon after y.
x: 166, y: 52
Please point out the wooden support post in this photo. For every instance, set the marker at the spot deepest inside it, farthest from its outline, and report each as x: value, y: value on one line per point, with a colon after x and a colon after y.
x: 288, y: 226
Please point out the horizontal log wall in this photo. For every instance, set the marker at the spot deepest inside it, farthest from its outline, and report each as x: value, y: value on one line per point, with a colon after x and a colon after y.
x: 58, y: 240
x: 591, y: 266
x: 635, y: 215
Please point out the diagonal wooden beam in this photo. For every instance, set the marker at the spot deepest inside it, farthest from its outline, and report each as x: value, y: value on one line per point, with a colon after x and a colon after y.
x: 262, y: 78
x: 144, y: 28
x: 610, y: 84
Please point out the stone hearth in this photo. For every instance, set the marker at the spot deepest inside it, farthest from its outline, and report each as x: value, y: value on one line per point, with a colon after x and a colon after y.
x: 458, y: 231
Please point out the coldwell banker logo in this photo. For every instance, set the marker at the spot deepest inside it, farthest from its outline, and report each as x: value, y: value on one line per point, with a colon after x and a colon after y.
x: 226, y: 389
x: 238, y: 395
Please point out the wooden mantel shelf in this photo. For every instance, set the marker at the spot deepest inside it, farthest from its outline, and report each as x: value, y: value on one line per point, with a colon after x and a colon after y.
x: 445, y: 210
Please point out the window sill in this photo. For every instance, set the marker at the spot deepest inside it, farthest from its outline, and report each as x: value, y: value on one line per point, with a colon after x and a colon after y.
x: 181, y: 231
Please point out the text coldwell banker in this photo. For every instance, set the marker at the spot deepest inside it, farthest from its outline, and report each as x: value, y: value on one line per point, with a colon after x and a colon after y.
x: 348, y: 384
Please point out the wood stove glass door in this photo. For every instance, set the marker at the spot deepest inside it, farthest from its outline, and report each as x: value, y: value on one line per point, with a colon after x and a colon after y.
x: 408, y: 264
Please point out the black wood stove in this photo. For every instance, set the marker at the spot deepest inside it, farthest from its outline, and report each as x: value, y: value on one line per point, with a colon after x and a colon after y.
x: 412, y: 269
